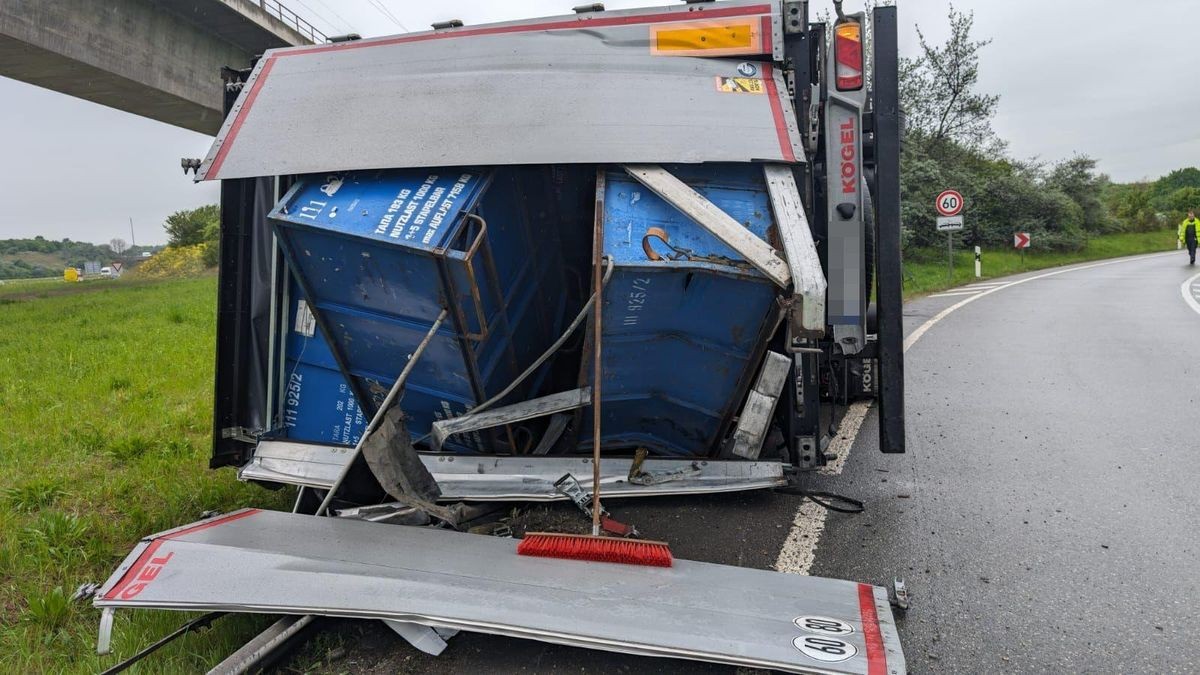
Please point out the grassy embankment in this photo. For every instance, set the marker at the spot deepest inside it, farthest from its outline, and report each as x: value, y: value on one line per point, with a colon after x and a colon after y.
x: 105, y: 398
x: 925, y: 271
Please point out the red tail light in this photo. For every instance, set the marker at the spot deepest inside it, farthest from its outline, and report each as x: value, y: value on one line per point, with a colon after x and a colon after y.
x: 848, y: 56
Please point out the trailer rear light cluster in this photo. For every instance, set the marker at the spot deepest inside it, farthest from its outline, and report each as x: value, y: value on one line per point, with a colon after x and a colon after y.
x: 848, y: 55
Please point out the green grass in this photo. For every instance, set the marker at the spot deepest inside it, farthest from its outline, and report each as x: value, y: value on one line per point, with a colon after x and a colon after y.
x: 925, y: 271
x: 16, y: 289
x: 106, y: 402
x: 15, y: 286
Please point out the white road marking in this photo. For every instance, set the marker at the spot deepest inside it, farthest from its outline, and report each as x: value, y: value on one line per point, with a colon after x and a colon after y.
x: 1190, y: 298
x: 847, y: 432
x: 986, y: 284
x: 952, y: 293
x: 798, y: 552
x: 924, y: 328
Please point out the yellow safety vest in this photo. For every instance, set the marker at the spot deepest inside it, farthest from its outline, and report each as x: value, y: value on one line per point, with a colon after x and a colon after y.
x: 1189, y: 223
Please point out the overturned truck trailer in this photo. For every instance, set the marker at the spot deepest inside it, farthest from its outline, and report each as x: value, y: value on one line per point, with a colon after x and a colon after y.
x: 414, y: 224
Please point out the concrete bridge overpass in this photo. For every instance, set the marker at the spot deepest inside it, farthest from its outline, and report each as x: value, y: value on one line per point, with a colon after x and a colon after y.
x: 156, y: 58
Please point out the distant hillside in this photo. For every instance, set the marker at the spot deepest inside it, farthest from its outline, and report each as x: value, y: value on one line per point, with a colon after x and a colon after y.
x: 41, y: 257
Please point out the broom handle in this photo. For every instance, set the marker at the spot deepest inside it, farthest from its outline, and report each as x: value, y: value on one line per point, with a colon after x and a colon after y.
x: 598, y: 284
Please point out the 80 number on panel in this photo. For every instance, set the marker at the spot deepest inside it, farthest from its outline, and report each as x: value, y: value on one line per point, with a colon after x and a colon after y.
x: 823, y: 624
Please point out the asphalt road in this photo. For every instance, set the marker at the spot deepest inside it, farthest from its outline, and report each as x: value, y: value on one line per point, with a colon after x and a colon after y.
x: 1045, y: 518
x: 1051, y: 522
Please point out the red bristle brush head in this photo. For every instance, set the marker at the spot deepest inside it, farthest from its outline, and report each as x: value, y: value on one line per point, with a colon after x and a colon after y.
x: 598, y: 549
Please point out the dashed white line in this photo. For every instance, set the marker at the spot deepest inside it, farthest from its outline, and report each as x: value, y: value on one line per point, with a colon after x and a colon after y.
x: 1190, y: 297
x: 799, y: 548
x: 847, y: 432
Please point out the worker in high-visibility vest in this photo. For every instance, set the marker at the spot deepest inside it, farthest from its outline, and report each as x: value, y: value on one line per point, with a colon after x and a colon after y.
x: 1188, y: 230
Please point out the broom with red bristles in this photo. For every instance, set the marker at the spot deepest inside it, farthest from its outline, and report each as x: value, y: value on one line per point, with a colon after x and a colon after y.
x: 596, y: 547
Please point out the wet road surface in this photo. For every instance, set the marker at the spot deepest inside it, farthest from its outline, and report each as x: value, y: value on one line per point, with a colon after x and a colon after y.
x: 1046, y: 517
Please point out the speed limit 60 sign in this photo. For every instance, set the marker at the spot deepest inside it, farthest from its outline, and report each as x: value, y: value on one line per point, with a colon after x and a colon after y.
x: 949, y: 203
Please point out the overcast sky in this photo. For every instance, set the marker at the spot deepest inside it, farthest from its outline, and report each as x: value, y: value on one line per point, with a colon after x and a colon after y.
x: 1074, y: 76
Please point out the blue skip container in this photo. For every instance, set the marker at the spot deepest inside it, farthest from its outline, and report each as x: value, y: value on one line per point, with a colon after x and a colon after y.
x: 318, y: 404
x: 378, y: 255
x: 685, y: 319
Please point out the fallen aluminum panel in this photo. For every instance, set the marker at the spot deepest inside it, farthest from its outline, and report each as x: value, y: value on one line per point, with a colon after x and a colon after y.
x: 590, y: 88
x: 282, y: 563
x: 476, y: 478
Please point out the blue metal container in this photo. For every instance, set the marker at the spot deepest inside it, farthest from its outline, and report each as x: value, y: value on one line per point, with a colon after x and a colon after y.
x: 318, y: 404
x: 681, y: 335
x: 379, y: 254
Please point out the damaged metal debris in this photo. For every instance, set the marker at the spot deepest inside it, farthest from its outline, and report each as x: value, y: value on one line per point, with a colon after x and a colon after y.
x: 445, y: 308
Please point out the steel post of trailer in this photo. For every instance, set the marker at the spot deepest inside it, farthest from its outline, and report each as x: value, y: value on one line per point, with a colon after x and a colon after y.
x: 889, y: 275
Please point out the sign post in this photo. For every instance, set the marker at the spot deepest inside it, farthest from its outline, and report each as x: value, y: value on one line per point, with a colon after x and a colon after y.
x: 1021, y: 242
x: 949, y: 205
x: 978, y: 264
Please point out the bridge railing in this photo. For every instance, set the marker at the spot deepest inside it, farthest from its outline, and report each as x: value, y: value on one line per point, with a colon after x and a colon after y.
x: 293, y: 20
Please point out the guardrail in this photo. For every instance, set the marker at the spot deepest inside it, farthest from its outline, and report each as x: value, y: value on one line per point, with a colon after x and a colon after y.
x: 293, y: 20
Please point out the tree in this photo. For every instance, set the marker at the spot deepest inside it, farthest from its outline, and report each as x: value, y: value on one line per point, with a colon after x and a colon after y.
x: 1179, y: 178
x: 937, y: 92
x: 118, y: 245
x: 212, y: 245
x: 1181, y: 201
x: 1131, y: 205
x: 189, y: 227
x: 1077, y: 178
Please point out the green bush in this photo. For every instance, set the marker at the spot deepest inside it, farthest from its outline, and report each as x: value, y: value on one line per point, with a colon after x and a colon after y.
x: 173, y: 262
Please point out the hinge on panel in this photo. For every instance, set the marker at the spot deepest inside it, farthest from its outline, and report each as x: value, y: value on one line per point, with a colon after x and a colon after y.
x: 814, y: 118
x: 898, y: 596
x: 240, y: 434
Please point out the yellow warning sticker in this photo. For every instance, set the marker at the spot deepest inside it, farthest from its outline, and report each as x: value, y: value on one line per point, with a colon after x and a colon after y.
x: 741, y: 85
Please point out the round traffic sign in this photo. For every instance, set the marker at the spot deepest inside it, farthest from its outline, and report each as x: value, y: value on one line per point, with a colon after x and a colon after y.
x: 949, y: 203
